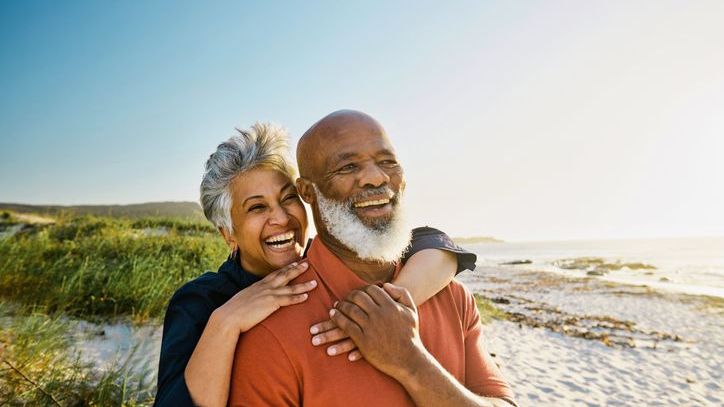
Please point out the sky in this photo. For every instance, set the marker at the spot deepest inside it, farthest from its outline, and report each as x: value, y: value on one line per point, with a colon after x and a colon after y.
x: 529, y: 120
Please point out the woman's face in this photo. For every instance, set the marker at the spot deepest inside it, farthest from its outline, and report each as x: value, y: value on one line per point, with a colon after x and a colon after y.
x: 270, y: 221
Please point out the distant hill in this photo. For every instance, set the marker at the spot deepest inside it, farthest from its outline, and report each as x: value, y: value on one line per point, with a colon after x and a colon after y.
x: 185, y: 210
x: 476, y: 240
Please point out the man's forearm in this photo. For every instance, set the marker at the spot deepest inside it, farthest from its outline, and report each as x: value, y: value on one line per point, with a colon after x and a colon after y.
x: 429, y: 384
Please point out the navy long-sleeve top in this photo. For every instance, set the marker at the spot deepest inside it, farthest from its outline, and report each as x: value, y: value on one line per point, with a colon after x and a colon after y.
x: 191, y: 306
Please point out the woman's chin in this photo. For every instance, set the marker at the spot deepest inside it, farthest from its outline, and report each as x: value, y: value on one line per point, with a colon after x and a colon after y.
x: 280, y: 258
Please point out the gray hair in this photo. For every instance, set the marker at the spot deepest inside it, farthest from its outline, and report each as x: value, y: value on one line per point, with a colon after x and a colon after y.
x: 262, y: 145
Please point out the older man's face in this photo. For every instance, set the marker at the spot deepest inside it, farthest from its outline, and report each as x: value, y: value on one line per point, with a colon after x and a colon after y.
x: 360, y: 169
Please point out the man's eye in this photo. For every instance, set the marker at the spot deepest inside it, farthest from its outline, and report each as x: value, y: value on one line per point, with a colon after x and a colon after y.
x: 388, y: 163
x: 347, y: 168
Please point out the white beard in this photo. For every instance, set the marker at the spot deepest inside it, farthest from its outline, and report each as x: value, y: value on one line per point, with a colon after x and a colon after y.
x: 385, y: 242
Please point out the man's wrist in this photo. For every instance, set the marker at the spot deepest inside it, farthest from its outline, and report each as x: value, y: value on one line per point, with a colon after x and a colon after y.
x: 418, y: 361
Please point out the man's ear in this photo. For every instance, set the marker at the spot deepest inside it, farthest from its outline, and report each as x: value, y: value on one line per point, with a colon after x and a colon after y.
x: 306, y: 190
x: 229, y: 239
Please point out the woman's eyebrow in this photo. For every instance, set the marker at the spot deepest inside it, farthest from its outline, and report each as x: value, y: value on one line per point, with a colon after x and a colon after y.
x: 287, y: 186
x: 250, y: 198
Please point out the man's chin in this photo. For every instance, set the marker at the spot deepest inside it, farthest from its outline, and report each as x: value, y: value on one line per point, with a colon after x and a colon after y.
x: 375, y: 219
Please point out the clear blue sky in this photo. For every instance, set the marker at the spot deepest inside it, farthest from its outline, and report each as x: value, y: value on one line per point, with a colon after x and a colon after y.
x: 523, y: 120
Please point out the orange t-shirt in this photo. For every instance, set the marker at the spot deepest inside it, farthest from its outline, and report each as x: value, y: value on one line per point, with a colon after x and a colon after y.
x: 277, y: 365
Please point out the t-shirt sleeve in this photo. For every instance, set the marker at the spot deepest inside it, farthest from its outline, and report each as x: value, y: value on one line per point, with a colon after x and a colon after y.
x: 263, y: 374
x: 482, y: 375
x: 430, y: 238
x: 185, y: 319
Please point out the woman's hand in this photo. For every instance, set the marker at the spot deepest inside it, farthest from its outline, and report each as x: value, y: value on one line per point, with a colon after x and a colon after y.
x: 256, y: 302
x: 327, y: 332
x: 208, y: 372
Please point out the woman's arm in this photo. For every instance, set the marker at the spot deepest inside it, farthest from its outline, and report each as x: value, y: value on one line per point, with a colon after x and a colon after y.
x: 208, y: 372
x: 426, y: 273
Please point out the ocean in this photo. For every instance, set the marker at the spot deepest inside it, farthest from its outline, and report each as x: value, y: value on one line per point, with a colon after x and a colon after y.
x: 684, y: 265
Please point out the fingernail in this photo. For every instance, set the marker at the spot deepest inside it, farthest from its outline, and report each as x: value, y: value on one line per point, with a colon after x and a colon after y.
x: 335, y: 303
x: 304, y: 265
x: 313, y: 330
x: 332, y: 312
x: 316, y: 340
x: 352, y: 358
x: 332, y: 351
x: 313, y: 283
x: 294, y: 264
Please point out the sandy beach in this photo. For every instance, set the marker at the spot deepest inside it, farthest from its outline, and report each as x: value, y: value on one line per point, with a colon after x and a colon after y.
x: 587, y: 342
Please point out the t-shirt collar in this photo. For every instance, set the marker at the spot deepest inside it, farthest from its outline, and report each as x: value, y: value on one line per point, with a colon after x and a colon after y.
x: 333, y: 272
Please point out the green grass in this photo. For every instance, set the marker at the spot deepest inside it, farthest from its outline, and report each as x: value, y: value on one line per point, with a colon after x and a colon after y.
x: 96, y: 267
x: 488, y: 311
x: 38, y: 367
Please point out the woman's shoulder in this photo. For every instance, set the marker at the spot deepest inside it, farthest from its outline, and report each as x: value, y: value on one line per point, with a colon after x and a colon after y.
x: 204, y: 293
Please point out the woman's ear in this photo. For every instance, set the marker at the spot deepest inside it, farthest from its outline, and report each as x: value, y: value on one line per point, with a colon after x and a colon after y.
x: 229, y: 239
x: 306, y: 190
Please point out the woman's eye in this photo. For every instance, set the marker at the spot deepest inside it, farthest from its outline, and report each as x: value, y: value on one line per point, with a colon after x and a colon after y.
x: 291, y: 197
x: 257, y: 208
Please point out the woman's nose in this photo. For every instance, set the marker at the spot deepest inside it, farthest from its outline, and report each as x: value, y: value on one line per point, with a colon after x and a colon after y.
x: 279, y: 216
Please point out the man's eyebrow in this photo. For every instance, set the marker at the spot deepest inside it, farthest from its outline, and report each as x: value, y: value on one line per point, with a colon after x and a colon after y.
x: 345, y: 156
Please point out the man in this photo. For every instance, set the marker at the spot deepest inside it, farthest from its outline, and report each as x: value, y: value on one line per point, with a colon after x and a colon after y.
x: 430, y: 356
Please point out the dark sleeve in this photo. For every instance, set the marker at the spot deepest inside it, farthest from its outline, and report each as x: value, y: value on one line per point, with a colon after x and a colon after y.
x: 185, y: 319
x: 430, y: 238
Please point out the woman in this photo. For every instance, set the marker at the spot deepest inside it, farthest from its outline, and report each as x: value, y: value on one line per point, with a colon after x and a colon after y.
x: 248, y: 193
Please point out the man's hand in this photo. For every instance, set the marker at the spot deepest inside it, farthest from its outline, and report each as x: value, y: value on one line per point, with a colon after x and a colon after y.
x: 383, y: 323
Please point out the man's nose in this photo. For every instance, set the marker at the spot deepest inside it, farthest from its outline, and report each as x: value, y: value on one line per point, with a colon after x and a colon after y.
x: 279, y: 216
x: 373, y: 175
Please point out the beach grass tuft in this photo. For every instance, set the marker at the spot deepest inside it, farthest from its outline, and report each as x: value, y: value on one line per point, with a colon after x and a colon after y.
x: 488, y: 311
x: 39, y: 367
x: 98, y: 267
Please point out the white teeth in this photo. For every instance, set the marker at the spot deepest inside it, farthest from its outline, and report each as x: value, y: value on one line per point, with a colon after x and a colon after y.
x: 283, y: 245
x: 370, y: 203
x: 280, y: 237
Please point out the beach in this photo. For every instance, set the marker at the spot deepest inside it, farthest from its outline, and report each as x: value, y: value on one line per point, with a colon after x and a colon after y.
x: 580, y: 323
x: 563, y: 339
x: 587, y: 342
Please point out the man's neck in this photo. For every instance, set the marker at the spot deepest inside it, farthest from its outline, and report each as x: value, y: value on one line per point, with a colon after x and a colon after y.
x: 369, y: 271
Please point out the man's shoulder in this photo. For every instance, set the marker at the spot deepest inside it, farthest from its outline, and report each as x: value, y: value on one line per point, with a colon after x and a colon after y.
x: 455, y: 291
x: 293, y: 321
x: 455, y: 299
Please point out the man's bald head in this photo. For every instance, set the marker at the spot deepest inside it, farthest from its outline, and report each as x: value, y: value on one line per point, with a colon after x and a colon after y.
x: 314, y: 147
x: 353, y: 183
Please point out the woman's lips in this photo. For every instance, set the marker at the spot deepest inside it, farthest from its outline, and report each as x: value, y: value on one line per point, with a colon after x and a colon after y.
x: 281, y: 241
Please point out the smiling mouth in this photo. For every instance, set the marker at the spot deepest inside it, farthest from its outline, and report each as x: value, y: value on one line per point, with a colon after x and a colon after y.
x: 374, y: 203
x: 281, y: 241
